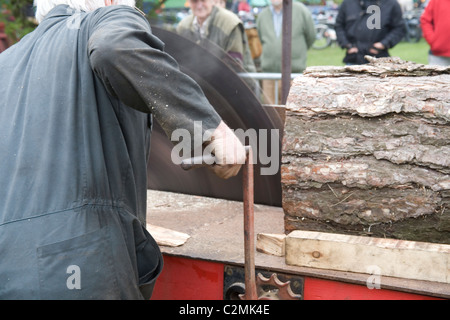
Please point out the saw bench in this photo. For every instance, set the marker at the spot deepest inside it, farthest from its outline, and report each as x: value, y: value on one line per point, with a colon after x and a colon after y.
x: 199, y: 269
x: 362, y: 209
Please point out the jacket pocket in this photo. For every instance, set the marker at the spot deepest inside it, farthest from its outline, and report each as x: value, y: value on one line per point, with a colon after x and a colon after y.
x: 78, y: 268
x: 149, y: 262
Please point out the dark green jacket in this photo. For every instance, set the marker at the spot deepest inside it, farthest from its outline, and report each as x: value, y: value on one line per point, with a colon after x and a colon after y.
x: 76, y: 98
x: 225, y: 30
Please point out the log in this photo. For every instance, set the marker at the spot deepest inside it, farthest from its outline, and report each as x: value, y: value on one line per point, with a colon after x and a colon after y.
x: 375, y: 256
x: 366, y: 151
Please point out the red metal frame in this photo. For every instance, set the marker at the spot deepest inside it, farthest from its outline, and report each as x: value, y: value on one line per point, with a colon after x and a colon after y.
x: 189, y: 279
x: 319, y: 289
x: 192, y: 279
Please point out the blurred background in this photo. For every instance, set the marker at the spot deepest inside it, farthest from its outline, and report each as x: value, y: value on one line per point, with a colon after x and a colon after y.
x: 16, y: 20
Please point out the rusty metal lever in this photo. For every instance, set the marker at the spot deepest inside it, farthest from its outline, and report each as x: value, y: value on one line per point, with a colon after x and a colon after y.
x: 202, y: 161
x: 249, y: 233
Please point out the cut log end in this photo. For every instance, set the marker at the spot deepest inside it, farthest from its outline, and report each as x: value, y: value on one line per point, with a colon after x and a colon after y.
x: 366, y: 151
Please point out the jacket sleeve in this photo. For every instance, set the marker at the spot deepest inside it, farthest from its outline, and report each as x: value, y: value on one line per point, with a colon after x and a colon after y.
x: 133, y: 67
x: 310, y: 31
x: 340, y: 27
x: 259, y: 25
x: 426, y: 23
x: 235, y: 44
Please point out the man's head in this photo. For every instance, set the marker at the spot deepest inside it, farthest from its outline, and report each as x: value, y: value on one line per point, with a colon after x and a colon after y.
x: 201, y: 9
x: 43, y: 7
x: 277, y: 3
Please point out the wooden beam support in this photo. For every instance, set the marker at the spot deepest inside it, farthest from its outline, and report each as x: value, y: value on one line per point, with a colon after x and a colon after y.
x: 375, y: 256
x: 167, y: 237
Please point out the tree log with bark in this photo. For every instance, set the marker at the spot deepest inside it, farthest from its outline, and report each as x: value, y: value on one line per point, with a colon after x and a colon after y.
x: 366, y: 151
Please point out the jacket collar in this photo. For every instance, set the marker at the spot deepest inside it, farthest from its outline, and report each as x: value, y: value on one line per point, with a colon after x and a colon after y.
x: 61, y: 10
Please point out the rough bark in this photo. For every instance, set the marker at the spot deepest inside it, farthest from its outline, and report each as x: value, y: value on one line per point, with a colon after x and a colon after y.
x: 366, y: 151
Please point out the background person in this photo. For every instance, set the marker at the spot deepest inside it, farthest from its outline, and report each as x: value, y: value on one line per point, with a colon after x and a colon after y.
x: 269, y: 25
x: 361, y: 36
x: 209, y: 22
x: 435, y: 23
x: 244, y: 6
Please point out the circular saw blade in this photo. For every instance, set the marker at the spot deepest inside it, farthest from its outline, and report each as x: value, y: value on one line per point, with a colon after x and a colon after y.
x: 239, y: 107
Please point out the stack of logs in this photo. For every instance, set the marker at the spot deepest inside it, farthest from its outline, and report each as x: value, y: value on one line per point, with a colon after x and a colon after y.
x: 366, y: 151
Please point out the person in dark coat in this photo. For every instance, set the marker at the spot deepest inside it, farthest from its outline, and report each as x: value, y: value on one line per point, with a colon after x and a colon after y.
x: 368, y: 27
x: 77, y: 99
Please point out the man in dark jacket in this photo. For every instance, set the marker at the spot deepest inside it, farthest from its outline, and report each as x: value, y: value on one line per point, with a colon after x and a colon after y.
x: 368, y: 27
x: 77, y: 96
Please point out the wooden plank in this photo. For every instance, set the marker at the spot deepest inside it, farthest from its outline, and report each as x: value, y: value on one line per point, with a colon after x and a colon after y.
x: 374, y: 256
x: 167, y: 237
x: 271, y: 243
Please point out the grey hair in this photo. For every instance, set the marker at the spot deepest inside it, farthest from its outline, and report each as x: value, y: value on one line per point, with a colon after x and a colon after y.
x: 43, y: 7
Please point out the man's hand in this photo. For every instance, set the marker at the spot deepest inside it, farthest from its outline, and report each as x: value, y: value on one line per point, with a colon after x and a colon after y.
x: 352, y: 50
x: 377, y: 46
x: 228, y: 150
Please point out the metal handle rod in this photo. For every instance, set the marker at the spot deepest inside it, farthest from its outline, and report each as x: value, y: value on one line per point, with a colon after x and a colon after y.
x: 202, y: 161
x: 249, y: 219
x: 197, y: 162
x: 249, y: 232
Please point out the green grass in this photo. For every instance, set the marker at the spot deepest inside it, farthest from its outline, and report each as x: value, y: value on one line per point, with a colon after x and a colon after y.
x: 333, y: 55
